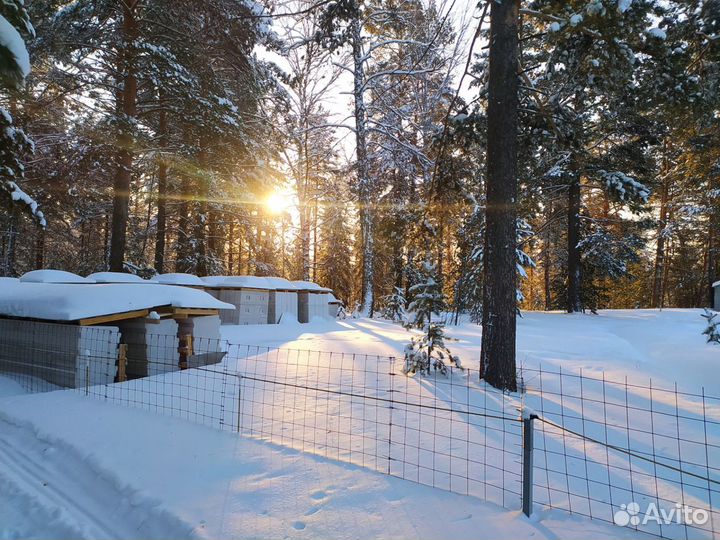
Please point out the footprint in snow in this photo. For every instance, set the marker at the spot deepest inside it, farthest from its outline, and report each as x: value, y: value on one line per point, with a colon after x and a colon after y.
x: 299, y: 525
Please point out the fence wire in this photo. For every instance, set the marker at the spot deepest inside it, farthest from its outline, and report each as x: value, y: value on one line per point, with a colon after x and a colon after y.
x: 603, y: 445
x: 600, y: 445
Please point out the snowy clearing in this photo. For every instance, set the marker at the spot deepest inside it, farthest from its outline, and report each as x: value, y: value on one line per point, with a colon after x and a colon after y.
x: 197, y: 481
x: 666, y: 345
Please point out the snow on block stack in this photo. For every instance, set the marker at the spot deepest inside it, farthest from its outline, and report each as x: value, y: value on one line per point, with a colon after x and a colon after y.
x: 184, y: 280
x: 53, y: 276
x: 207, y: 284
x: 63, y: 326
x: 312, y: 301
x: 116, y: 277
x: 283, y: 301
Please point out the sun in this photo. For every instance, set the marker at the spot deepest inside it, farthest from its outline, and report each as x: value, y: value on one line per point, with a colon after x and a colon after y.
x: 277, y: 203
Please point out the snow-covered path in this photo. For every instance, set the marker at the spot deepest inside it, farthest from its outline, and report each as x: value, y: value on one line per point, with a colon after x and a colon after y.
x: 40, y: 477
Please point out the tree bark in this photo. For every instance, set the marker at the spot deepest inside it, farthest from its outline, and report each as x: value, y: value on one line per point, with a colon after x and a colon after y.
x: 367, y: 300
x: 182, y: 245
x: 499, y: 301
x: 124, y: 157
x: 161, y: 227
x: 39, y: 248
x: 201, y: 215
x: 547, y: 259
x: 231, y: 246
x: 659, y: 270
x: 574, y: 283
x: 712, y: 258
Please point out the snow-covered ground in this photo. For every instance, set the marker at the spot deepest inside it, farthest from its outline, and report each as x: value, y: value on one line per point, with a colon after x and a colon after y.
x: 74, y: 467
x: 78, y: 467
x: 666, y: 345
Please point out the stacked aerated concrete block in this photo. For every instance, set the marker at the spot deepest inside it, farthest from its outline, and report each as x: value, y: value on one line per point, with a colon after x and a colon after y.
x: 65, y: 355
x: 152, y: 346
x: 251, y: 306
x: 206, y: 345
x: 283, y: 306
x: 318, y: 305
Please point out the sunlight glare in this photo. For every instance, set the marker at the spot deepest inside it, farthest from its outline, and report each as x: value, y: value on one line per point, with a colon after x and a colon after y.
x: 277, y: 203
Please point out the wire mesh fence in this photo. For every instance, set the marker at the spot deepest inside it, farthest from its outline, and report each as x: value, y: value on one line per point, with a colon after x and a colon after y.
x: 637, y: 455
x: 608, y: 450
x: 433, y: 430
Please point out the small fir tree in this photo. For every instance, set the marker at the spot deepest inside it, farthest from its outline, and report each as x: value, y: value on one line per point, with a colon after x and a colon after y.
x: 427, y: 351
x: 713, y: 326
x: 394, y: 305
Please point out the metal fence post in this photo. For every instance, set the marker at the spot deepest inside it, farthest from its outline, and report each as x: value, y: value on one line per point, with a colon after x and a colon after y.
x: 527, y: 486
x: 239, y: 401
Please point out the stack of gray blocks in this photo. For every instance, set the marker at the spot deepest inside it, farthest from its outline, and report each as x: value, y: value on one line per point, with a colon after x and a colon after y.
x: 282, y: 304
x: 152, y: 346
x: 205, y: 331
x: 65, y: 355
x: 303, y: 298
x: 251, y: 306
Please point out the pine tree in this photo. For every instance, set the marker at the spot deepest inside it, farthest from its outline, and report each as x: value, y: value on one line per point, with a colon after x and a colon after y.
x: 334, y: 268
x: 469, y: 286
x: 428, y: 351
x: 14, y: 68
x: 393, y: 305
x: 499, y: 293
x: 713, y: 327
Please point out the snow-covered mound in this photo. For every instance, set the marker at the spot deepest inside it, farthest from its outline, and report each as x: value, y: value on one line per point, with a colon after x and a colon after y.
x: 309, y: 286
x: 116, y: 277
x: 53, y: 276
x: 71, y: 302
x: 280, y: 284
x: 179, y: 279
x: 237, y: 282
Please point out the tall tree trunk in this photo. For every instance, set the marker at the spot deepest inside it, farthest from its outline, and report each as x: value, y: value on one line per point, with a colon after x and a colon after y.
x: 315, y: 234
x: 231, y: 246
x: 106, y: 241
x: 201, y: 215
x: 182, y: 245
x: 124, y: 156
x: 712, y: 258
x: 304, y: 201
x: 367, y: 300
x: 547, y: 259
x: 499, y: 301
x: 574, y: 283
x: 214, y: 232
x: 666, y: 269
x: 11, y: 245
x: 39, y: 248
x: 659, y: 270
x: 161, y: 228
